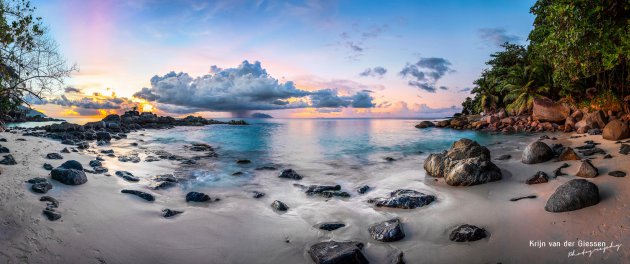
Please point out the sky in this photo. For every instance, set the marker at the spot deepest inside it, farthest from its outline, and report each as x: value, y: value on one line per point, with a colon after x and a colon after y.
x: 288, y: 59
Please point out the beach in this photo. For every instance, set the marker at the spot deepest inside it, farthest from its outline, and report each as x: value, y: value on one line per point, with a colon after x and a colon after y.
x: 99, y: 224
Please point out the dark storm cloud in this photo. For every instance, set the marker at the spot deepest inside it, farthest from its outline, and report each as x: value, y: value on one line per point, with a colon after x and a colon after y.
x: 497, y: 36
x: 425, y: 73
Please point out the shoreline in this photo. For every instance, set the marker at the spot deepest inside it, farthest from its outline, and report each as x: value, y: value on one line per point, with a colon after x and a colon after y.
x: 99, y: 224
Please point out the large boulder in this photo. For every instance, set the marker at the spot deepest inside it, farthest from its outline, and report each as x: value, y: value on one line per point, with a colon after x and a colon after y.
x: 465, y: 163
x: 596, y: 119
x: 333, y: 252
x: 103, y: 136
x: 546, y: 110
x: 573, y: 195
x: 616, y: 130
x: 69, y: 173
x: 537, y: 152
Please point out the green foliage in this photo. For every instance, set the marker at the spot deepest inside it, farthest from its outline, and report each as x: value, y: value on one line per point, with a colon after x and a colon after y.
x: 575, y: 45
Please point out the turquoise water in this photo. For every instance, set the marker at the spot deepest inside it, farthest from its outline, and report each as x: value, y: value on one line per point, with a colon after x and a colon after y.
x: 333, y: 146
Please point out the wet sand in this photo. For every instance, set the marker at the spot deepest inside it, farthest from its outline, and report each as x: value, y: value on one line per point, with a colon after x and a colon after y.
x: 101, y: 225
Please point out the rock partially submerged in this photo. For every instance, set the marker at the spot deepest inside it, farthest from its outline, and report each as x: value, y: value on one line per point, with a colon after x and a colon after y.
x: 404, y: 199
x: 329, y: 226
x: 387, y: 231
x: 146, y: 196
x: 69, y: 173
x: 127, y: 176
x: 197, y: 197
x: 425, y: 124
x: 324, y: 190
x: 573, y: 195
x: 8, y: 160
x: 333, y: 252
x: 166, y: 213
x: 290, y: 174
x: 465, y: 163
x: 280, y: 206
x: 467, y: 233
x: 537, y: 152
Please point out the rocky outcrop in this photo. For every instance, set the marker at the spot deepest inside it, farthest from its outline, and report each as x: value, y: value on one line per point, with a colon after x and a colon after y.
x: 387, y: 231
x: 537, y: 152
x: 546, y: 110
x: 425, y: 124
x: 616, y: 130
x: 69, y: 173
x: 333, y: 252
x: 465, y: 163
x: 404, y: 199
x: 467, y: 233
x: 573, y: 195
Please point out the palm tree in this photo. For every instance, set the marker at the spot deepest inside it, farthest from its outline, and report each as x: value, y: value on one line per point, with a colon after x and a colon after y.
x: 524, y: 86
x: 487, y: 88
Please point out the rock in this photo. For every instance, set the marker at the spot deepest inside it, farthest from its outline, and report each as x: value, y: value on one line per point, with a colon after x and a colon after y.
x: 504, y: 157
x: 596, y: 119
x: 617, y: 174
x: 290, y: 174
x: 266, y: 168
x: 100, y: 169
x: 546, y: 110
x: 83, y: 145
x: 523, y: 197
x: 47, y: 166
x: 147, y: 196
x: 425, y: 124
x: 404, y: 199
x: 64, y: 150
x: 573, y: 195
x: 607, y: 156
x: 594, y: 131
x: 333, y: 252
x: 243, y: 161
x: 258, y: 194
x: 537, y: 152
x: 36, y: 180
x: 616, y: 130
x: 69, y: 173
x: 166, y: 213
x: 8, y: 160
x: 325, y: 190
x: 151, y: 159
x: 539, y: 177
x: 389, y: 159
x: 593, y: 151
x: 280, y: 206
x: 329, y: 226
x: 41, y: 187
x: 238, y: 173
x: 467, y: 233
x: 201, y: 147
x: 51, y: 214
x: 53, y: 156
x: 387, y: 231
x: 95, y: 163
x: 624, y: 149
x: 465, y: 163
x: 568, y: 154
x: 131, y: 158
x: 363, y: 189
x: 52, y: 202
x: 4, y: 150
x: 127, y: 176
x: 587, y: 170
x: 197, y: 197
x: 557, y: 149
x: 103, y: 136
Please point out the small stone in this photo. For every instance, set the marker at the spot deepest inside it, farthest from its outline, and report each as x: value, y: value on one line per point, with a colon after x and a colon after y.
x: 280, y: 206
x: 95, y: 163
x: 504, y: 157
x: 243, y: 161
x: 363, y: 189
x: 290, y: 174
x: 617, y: 174
x: 52, y: 202
x: 53, y: 156
x: 141, y: 194
x: 587, y: 170
x: 467, y: 233
x: 170, y: 213
x: 333, y: 252
x: 51, y: 214
x: 329, y: 226
x: 539, y: 177
x: 127, y: 176
x: 523, y: 197
x: 197, y: 197
x: 387, y: 231
x: 64, y: 150
x: 41, y: 187
x: 47, y: 166
x: 389, y: 159
x: 568, y: 154
x: 258, y: 194
x: 8, y: 160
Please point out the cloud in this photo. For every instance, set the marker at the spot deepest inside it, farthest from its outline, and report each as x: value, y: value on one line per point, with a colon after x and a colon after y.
x: 377, y: 71
x: 497, y: 36
x: 443, y: 88
x: 71, y: 90
x: 244, y: 88
x: 355, y: 40
x: 464, y: 90
x: 363, y: 99
x: 96, y: 102
x: 426, y: 72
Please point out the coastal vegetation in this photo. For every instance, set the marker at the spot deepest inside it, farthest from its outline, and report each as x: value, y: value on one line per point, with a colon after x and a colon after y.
x: 578, y: 54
